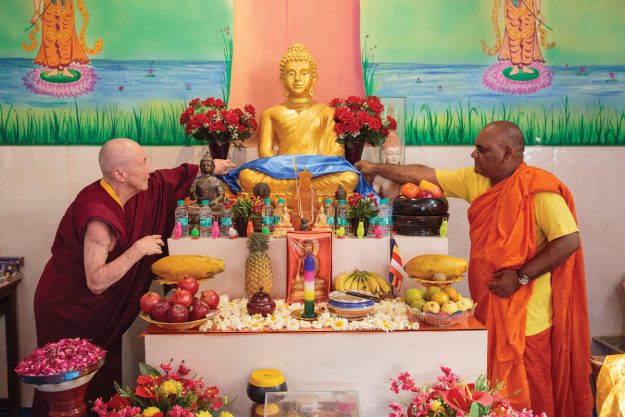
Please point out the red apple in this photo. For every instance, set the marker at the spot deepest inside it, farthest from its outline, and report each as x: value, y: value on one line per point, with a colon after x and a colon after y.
x: 159, y: 311
x: 177, y: 314
x: 190, y: 284
x: 425, y: 194
x: 211, y: 298
x: 182, y: 297
x: 148, y: 300
x: 198, y: 310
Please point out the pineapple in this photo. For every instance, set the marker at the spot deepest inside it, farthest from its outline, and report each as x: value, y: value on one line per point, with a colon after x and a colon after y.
x: 258, y: 265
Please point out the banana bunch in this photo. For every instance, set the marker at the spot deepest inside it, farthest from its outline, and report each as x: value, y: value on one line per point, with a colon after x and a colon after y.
x: 364, y: 281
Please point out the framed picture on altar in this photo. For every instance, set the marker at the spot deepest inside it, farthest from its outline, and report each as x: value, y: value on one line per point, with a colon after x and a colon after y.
x: 393, y: 151
x: 319, y: 245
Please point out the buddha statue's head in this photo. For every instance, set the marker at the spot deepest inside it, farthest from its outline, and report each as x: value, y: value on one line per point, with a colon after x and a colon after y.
x: 298, y: 72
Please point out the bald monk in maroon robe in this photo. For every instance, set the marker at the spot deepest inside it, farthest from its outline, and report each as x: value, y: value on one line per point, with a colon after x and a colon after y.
x: 101, y: 256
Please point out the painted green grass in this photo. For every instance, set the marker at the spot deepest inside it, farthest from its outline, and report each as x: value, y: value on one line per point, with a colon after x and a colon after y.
x: 158, y: 124
x: 154, y: 124
x: 554, y: 126
x: 368, y: 67
x: 226, y: 36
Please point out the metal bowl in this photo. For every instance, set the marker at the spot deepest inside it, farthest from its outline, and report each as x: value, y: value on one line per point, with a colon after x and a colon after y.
x: 60, y: 378
x: 420, y: 206
x: 418, y: 225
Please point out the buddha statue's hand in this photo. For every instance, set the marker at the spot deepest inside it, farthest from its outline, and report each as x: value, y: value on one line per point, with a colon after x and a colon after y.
x: 223, y: 166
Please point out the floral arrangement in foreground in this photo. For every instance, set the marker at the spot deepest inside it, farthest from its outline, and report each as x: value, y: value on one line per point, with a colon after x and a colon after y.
x: 171, y: 394
x: 360, y: 120
x: 450, y: 397
x: 209, y: 120
x: 245, y: 205
x: 66, y: 355
x: 362, y: 207
x: 389, y: 315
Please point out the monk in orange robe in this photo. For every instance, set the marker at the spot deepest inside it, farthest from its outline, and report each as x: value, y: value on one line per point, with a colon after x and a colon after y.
x: 59, y: 43
x: 526, y: 271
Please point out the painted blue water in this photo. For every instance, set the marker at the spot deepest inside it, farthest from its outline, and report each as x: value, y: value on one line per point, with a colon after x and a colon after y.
x: 439, y: 86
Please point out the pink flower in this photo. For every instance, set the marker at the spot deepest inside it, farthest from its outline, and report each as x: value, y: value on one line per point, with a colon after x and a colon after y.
x: 182, y: 369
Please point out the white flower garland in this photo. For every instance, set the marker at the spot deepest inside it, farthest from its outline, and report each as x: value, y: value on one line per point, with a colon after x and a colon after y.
x: 389, y: 315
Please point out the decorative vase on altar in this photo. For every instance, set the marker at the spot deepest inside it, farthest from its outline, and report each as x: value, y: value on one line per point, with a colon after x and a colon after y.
x: 219, y: 150
x: 353, y: 153
x: 353, y: 223
x: 240, y: 223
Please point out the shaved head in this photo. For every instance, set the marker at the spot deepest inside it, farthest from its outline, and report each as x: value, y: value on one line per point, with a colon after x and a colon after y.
x: 506, y: 133
x: 115, y: 154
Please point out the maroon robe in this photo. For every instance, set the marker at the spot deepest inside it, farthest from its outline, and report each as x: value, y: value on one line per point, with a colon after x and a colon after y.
x: 65, y: 307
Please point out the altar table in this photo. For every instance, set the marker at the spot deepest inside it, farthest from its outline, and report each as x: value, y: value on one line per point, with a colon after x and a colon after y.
x: 362, y: 360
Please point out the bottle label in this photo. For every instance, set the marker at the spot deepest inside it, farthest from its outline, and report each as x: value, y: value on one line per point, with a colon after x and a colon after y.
x: 226, y: 221
x: 342, y: 221
x: 374, y: 221
x: 277, y: 219
x: 267, y: 220
x: 184, y: 221
x: 330, y: 220
x: 206, y: 222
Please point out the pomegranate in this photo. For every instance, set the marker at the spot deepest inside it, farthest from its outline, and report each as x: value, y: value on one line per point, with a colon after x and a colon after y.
x: 211, y: 298
x: 198, y: 310
x: 177, y: 314
x: 182, y: 297
x: 159, y: 310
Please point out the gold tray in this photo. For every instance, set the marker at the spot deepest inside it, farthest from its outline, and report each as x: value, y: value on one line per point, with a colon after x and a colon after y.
x: 178, y: 327
x: 442, y: 284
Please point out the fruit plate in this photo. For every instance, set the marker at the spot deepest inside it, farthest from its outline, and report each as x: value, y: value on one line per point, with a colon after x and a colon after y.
x: 351, y: 313
x: 178, y: 327
x: 163, y: 281
x: 442, y: 284
x: 438, y: 319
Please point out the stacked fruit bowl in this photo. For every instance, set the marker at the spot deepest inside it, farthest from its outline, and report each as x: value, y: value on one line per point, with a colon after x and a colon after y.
x: 182, y: 309
x: 439, y: 303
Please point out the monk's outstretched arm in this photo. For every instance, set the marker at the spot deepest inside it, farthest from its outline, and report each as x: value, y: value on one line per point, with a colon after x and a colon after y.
x: 506, y: 282
x: 99, y: 241
x: 398, y: 173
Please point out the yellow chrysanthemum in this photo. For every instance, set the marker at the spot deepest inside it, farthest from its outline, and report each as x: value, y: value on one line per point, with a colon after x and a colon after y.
x: 203, y: 413
x: 437, y: 407
x: 225, y: 414
x: 172, y: 387
x: 150, y: 411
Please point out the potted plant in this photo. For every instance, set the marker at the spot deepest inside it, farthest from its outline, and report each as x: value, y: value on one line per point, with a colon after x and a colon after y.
x: 361, y: 209
x: 359, y: 121
x: 210, y: 121
x: 244, y: 207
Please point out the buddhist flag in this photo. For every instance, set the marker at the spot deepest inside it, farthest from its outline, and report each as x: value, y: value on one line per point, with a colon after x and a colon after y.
x: 396, y: 271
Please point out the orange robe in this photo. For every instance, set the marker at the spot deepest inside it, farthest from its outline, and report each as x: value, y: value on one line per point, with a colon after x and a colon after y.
x: 59, y: 43
x: 503, y: 236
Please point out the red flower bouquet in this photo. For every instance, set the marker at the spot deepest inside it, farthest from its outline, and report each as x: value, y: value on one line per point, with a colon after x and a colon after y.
x: 210, y: 121
x: 450, y: 397
x: 171, y: 394
x: 362, y: 207
x: 359, y: 120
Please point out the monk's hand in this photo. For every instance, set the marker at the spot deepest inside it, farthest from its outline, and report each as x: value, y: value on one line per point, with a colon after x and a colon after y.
x: 367, y: 169
x: 223, y: 166
x: 150, y: 245
x: 505, y: 282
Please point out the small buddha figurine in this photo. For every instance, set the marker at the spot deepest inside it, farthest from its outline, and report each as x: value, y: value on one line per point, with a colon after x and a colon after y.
x: 207, y: 186
x: 302, y: 128
x: 284, y: 225
x: 321, y: 224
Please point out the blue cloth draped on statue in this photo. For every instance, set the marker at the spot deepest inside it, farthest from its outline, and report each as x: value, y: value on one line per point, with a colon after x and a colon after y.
x: 281, y: 167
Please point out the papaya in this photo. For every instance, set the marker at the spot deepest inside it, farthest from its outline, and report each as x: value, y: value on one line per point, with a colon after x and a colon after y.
x: 425, y: 266
x: 176, y: 267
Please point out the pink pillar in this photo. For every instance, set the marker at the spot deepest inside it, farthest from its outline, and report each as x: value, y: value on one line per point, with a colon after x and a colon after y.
x: 264, y: 29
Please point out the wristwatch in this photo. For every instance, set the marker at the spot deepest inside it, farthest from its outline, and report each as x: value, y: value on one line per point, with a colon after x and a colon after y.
x: 523, y: 278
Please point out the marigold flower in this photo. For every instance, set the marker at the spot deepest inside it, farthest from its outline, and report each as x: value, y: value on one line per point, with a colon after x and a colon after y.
x: 151, y: 411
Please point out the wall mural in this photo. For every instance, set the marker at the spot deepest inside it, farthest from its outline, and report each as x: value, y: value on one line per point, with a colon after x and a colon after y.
x: 82, y: 71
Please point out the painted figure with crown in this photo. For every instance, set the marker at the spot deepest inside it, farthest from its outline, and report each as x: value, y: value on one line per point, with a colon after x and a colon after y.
x: 298, y: 133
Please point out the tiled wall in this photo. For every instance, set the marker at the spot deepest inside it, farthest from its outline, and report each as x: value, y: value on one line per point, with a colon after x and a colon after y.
x: 38, y: 183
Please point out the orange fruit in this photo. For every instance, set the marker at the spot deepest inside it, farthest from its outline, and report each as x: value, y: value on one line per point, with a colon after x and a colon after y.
x: 409, y: 190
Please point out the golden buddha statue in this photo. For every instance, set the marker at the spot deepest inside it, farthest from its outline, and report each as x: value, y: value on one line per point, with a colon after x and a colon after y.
x: 299, y: 127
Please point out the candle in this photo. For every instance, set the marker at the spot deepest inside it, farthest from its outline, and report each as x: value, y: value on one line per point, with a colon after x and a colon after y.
x: 309, y: 287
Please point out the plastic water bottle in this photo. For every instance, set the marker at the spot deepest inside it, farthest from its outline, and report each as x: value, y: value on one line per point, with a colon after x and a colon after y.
x: 206, y: 219
x: 328, y: 210
x: 373, y: 223
x: 267, y: 214
x: 226, y: 218
x: 385, y: 217
x: 182, y: 216
x: 278, y: 213
x: 341, y: 216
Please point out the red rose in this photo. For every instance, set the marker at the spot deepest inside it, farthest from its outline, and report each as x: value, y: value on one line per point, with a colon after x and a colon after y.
x: 384, y: 132
x: 194, y: 102
x: 353, y: 126
x: 375, y: 123
x: 374, y: 104
x: 362, y: 116
x: 250, y: 109
x: 336, y: 103
x: 238, y: 112
x: 220, y: 103
x: 230, y: 117
x: 340, y: 128
x: 353, y: 100
x: 254, y: 124
x: 392, y: 122
x: 186, y: 115
x: 343, y: 114
x: 211, y: 114
x: 241, y: 128
x: 217, y: 126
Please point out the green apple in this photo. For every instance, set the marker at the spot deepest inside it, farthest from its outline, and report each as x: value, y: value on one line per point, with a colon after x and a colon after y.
x: 412, y: 294
x: 430, y: 291
x: 431, y: 307
x: 464, y: 304
x: 417, y: 303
